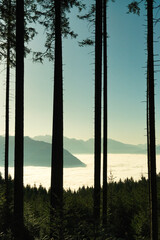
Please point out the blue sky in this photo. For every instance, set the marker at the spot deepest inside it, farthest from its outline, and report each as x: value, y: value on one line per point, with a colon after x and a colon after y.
x: 126, y: 82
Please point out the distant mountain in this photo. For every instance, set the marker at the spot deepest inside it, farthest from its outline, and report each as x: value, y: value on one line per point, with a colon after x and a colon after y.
x: 71, y: 144
x: 119, y: 147
x: 79, y: 146
x: 37, y: 153
x: 44, y: 138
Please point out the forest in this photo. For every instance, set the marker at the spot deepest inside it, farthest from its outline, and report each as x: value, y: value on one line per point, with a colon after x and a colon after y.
x: 122, y: 210
x: 127, y: 212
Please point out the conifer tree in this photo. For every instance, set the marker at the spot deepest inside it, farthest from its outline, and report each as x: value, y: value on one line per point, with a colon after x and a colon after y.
x: 56, y: 24
x: 7, y: 89
x: 57, y: 136
x: 151, y: 149
x: 19, y: 128
x: 151, y: 127
x: 104, y: 112
x: 8, y: 3
x: 47, y: 20
x: 98, y: 95
x: 8, y: 53
x: 8, y: 45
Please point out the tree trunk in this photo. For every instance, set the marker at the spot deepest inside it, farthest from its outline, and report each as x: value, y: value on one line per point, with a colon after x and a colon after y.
x: 57, y: 136
x: 7, y: 110
x: 98, y: 88
x: 152, y: 158
x: 148, y: 140
x: 18, y: 181
x: 104, y: 113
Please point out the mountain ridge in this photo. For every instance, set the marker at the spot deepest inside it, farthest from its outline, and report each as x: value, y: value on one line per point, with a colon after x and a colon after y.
x: 37, y: 153
x: 76, y: 146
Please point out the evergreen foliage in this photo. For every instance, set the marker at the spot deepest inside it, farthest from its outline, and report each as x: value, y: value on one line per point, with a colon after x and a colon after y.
x: 31, y: 15
x: 127, y: 212
x: 47, y: 20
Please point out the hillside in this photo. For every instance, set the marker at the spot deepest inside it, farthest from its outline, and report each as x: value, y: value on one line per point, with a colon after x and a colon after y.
x: 37, y: 153
x: 80, y: 146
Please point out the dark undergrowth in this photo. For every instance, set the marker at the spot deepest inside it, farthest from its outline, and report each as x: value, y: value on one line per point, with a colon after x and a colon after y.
x: 127, y: 216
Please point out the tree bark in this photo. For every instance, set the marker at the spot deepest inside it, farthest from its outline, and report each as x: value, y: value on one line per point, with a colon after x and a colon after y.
x: 7, y: 110
x: 152, y: 151
x: 57, y: 135
x: 98, y: 89
x: 104, y: 113
x: 148, y: 140
x: 18, y: 181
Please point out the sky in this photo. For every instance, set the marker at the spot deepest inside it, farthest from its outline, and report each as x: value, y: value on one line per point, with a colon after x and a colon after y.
x: 126, y: 81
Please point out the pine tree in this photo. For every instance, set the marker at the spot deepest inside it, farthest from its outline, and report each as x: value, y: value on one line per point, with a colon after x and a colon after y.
x: 151, y: 150
x: 56, y: 24
x: 57, y: 136
x: 104, y: 113
x: 7, y: 110
x: 19, y: 114
x: 151, y: 127
x: 98, y: 89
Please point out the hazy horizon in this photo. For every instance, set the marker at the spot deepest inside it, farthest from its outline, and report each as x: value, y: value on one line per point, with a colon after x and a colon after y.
x: 80, y: 139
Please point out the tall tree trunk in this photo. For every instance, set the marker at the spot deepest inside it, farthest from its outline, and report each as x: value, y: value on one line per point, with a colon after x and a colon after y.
x: 148, y: 139
x: 7, y: 109
x: 57, y: 136
x: 152, y: 158
x: 98, y: 88
x: 18, y: 181
x: 104, y: 113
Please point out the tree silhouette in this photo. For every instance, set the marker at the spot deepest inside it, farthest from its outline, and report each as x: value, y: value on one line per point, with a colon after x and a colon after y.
x: 8, y: 53
x: 151, y: 151
x: 8, y: 3
x: 98, y: 89
x: 7, y: 90
x: 104, y: 113
x: 47, y: 20
x: 7, y: 24
x: 56, y: 23
x: 19, y: 114
x: 57, y: 136
x: 151, y: 122
x: 148, y: 134
x: 89, y: 42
